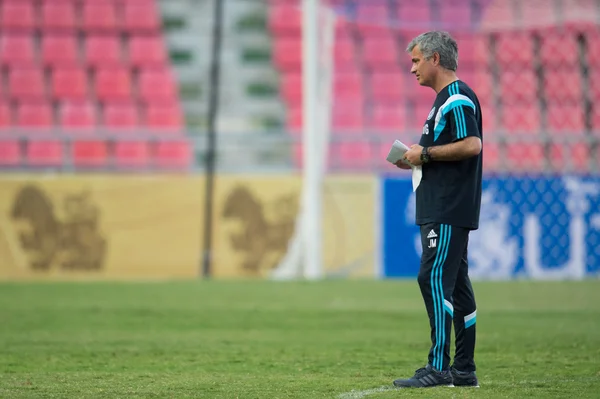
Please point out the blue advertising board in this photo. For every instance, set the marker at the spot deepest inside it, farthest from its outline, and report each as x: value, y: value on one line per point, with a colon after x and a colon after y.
x: 540, y: 228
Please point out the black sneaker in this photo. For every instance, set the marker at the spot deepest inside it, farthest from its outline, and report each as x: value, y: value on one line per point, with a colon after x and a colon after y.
x: 464, y: 378
x: 427, y: 377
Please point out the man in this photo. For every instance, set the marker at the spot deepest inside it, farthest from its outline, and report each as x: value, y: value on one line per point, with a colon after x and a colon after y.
x: 448, y: 203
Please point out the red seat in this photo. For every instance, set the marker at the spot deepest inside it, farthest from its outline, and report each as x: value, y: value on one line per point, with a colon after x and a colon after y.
x: 59, y: 50
x: 473, y: 50
x: 5, y: 115
x: 122, y: 116
x: 348, y: 116
x: 78, y: 115
x: 165, y: 117
x: 26, y: 83
x: 414, y: 17
x: 515, y: 50
x: 44, y: 153
x: 540, y: 15
x: 387, y: 87
x: 491, y: 157
x: 596, y: 122
x: 565, y: 119
x: 141, y: 17
x: 103, y: 50
x: 521, y: 119
x: 570, y: 157
x: 113, y: 84
x: 562, y: 87
x: 132, y: 154
x: 285, y: 19
x: 344, y: 53
x: 481, y: 81
x: 89, y: 153
x: 351, y: 155
x: 294, y: 119
x: 525, y: 157
x: 287, y: 53
x: 99, y: 16
x: 388, y: 117
x: 455, y: 16
x: 17, y: 50
x: 380, y: 52
x: 173, y: 154
x: 35, y: 115
x: 594, y: 85
x: 147, y: 51
x: 69, y: 83
x: 372, y: 19
x: 291, y: 88
x: 18, y: 15
x: 488, y: 115
x: 10, y: 152
x: 559, y: 50
x: 518, y: 87
x: 348, y: 86
x: 580, y: 15
x: 498, y: 15
x: 58, y: 15
x: 157, y: 86
x: 593, y: 50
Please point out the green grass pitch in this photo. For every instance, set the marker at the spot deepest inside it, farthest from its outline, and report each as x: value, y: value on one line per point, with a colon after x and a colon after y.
x: 259, y: 339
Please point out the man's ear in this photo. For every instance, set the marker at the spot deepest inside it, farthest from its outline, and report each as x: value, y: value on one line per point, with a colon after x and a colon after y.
x: 435, y: 59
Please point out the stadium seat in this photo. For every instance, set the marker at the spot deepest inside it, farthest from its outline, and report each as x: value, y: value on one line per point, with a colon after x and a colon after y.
x: 44, y: 153
x: 284, y: 19
x: 481, y: 81
x: 491, y: 157
x: 594, y: 85
x: 121, y: 116
x: 287, y: 54
x: 489, y: 118
x: 595, y: 119
x: 99, y: 16
x: 36, y: 115
x: 416, y: 15
x: 173, y: 154
x: 372, y: 19
x: 565, y: 119
x: 294, y: 119
x: 347, y: 116
x: 77, y: 115
x: 498, y: 15
x: 569, y: 157
x: 592, y: 49
x: 559, y: 49
x: 17, y: 50
x: 164, y: 117
x: 89, y: 153
x: 345, y: 51
x: 380, y: 52
x: 147, y: 51
x: 580, y: 16
x: 348, y: 87
x: 291, y: 88
x: 417, y: 117
x: 132, y: 154
x: 525, y: 157
x: 58, y: 16
x: 387, y: 87
x: 389, y: 118
x: 351, y: 155
x: 455, y: 16
x: 562, y: 86
x: 26, y: 83
x: 18, y: 15
x: 473, y: 51
x: 103, y: 50
x: 518, y: 87
x: 157, y: 86
x: 6, y: 115
x: 113, y: 84
x: 10, y: 153
x: 141, y: 17
x: 538, y: 16
x: 514, y: 50
x: 69, y: 83
x: 521, y: 119
x: 59, y: 50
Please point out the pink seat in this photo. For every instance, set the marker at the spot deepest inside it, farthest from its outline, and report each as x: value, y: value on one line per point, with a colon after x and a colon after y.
x: 521, y: 119
x: 348, y: 87
x: 596, y: 122
x: 540, y: 15
x: 59, y: 50
x: 566, y: 119
x: 380, y: 52
x: 594, y: 85
x: 27, y: 83
x: 164, y: 117
x: 372, y: 19
x: 58, y: 15
x: 455, y: 16
x: 518, y: 87
x: 35, y: 115
x: 291, y: 88
x: 121, y: 116
x: 580, y: 15
x: 414, y: 17
x: 498, y: 15
x: 525, y: 157
x: 345, y: 54
x: 489, y: 118
x: 10, y: 152
x: 113, y: 84
x: 173, y: 154
x: 99, y: 16
x: 17, y: 50
x: 78, y: 115
x: 285, y: 19
x: 6, y: 115
x: 18, y: 15
x: 387, y: 87
x: 352, y: 155
x: 44, y: 153
x: 69, y: 83
x: 132, y: 154
x: 157, y: 86
x: 294, y: 119
x: 147, y: 51
x: 562, y: 87
x: 141, y: 17
x: 287, y: 54
x: 570, y: 157
x: 473, y: 50
x: 514, y: 50
x: 491, y: 157
x: 559, y: 49
x: 103, y: 50
x: 348, y: 116
x: 481, y: 81
x: 389, y: 118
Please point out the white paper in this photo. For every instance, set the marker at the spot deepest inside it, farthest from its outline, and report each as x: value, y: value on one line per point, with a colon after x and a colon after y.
x: 397, y: 153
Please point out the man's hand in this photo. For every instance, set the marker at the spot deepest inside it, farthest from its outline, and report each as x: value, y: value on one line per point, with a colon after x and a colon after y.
x: 402, y: 165
x: 414, y: 155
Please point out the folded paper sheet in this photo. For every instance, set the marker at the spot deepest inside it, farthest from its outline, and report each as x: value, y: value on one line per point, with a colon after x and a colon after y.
x: 397, y: 154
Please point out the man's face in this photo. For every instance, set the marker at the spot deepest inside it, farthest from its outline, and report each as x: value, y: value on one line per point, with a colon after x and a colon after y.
x: 423, y: 69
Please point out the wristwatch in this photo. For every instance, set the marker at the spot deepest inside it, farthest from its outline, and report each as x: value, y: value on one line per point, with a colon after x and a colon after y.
x: 425, y: 157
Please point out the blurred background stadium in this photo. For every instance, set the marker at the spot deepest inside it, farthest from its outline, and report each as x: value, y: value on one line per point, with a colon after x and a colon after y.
x: 110, y: 112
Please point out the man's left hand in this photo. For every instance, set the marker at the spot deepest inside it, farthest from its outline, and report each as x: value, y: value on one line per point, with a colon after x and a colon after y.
x: 414, y: 155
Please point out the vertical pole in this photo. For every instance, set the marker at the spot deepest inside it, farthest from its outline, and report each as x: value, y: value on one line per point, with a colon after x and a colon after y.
x: 213, y: 105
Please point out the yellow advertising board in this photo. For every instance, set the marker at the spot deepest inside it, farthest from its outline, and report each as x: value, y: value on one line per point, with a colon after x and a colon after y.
x: 150, y: 227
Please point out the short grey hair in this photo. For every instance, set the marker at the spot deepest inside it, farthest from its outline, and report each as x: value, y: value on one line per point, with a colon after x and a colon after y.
x: 437, y: 42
